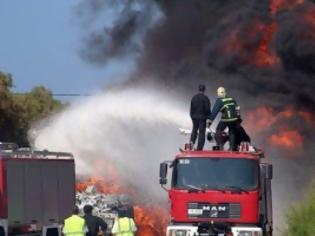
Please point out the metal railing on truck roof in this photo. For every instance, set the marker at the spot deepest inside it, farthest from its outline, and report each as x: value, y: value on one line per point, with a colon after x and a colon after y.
x: 12, y: 150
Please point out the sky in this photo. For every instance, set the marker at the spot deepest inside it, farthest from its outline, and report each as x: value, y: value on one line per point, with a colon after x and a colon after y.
x: 40, y: 43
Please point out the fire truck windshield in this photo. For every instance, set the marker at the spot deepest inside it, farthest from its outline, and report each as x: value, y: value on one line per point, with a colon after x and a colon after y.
x: 215, y: 173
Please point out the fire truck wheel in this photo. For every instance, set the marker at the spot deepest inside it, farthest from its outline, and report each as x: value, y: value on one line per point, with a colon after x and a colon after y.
x: 267, y: 233
x: 2, y: 232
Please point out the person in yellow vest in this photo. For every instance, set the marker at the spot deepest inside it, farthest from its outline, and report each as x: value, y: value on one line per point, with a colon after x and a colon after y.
x: 124, y: 226
x: 74, y: 225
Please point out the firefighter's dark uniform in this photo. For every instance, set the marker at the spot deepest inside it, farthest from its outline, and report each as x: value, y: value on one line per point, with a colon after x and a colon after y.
x: 199, y: 113
x: 230, y: 118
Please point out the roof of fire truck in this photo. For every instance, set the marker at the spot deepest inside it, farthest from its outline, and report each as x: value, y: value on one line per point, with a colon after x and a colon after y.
x: 11, y: 150
x: 257, y: 154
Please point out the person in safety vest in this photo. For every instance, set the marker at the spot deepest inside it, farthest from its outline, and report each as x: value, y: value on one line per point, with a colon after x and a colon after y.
x: 74, y: 225
x: 230, y: 117
x: 124, y: 226
x: 199, y: 113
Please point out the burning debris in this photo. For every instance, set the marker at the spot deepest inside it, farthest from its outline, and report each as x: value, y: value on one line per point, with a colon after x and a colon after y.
x: 105, y: 206
x: 150, y: 218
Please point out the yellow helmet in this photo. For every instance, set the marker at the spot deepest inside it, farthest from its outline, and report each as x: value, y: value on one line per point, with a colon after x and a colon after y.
x: 221, y: 92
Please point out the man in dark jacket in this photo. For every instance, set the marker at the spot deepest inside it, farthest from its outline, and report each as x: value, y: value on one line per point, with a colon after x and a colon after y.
x: 199, y: 113
x: 96, y: 225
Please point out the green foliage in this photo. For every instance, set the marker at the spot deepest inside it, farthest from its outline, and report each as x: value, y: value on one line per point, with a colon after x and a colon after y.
x: 301, y: 221
x: 8, y: 118
x: 19, y: 111
x: 37, y: 104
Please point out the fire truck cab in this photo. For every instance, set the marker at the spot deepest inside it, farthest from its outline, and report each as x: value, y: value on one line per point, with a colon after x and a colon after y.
x: 219, y: 193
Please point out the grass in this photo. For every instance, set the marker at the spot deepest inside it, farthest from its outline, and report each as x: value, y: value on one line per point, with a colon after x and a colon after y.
x: 301, y: 220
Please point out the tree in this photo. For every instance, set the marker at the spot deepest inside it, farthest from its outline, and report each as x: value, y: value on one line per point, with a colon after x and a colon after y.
x: 37, y: 104
x: 34, y: 106
x: 19, y: 111
x: 8, y: 116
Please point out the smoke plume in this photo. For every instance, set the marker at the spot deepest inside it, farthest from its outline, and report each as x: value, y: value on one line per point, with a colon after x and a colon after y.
x: 121, y: 35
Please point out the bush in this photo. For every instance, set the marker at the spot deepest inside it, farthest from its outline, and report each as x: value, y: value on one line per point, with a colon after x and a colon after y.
x: 301, y: 220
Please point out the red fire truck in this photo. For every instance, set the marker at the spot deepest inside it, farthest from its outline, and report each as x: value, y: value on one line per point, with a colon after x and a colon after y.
x: 37, y: 190
x: 219, y: 193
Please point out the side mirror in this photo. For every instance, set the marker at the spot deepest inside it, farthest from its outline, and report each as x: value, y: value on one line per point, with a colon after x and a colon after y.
x: 269, y: 171
x: 163, y: 173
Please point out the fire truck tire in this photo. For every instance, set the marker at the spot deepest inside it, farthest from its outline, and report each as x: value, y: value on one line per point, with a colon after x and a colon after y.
x: 2, y: 231
x: 52, y: 232
x: 267, y: 233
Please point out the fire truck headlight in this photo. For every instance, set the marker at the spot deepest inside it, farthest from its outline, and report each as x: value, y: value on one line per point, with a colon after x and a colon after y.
x: 245, y: 233
x: 249, y: 233
x: 180, y: 232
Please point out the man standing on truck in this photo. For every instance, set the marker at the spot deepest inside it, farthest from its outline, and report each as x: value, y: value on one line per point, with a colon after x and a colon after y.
x: 230, y: 118
x: 199, y: 113
x: 96, y: 225
x: 74, y: 225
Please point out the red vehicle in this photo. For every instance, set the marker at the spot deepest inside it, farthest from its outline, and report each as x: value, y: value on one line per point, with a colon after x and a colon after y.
x: 219, y: 193
x: 36, y: 191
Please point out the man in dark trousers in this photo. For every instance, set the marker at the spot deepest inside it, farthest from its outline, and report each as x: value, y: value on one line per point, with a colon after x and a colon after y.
x: 96, y: 225
x: 199, y: 113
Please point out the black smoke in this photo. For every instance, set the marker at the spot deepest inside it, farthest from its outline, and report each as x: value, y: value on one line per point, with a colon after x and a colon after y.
x: 125, y: 23
x: 183, y: 45
x: 295, y: 40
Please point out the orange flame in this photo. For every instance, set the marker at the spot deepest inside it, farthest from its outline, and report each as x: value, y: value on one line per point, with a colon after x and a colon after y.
x: 290, y: 139
x: 259, y: 119
x: 151, y: 220
x: 283, y: 128
x: 264, y: 117
x: 264, y: 56
x: 81, y: 186
x: 106, y: 187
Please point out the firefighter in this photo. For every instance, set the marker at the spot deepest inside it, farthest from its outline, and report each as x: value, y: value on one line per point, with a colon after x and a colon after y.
x: 96, y: 226
x: 74, y: 225
x: 199, y: 113
x: 124, y: 226
x: 230, y: 117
